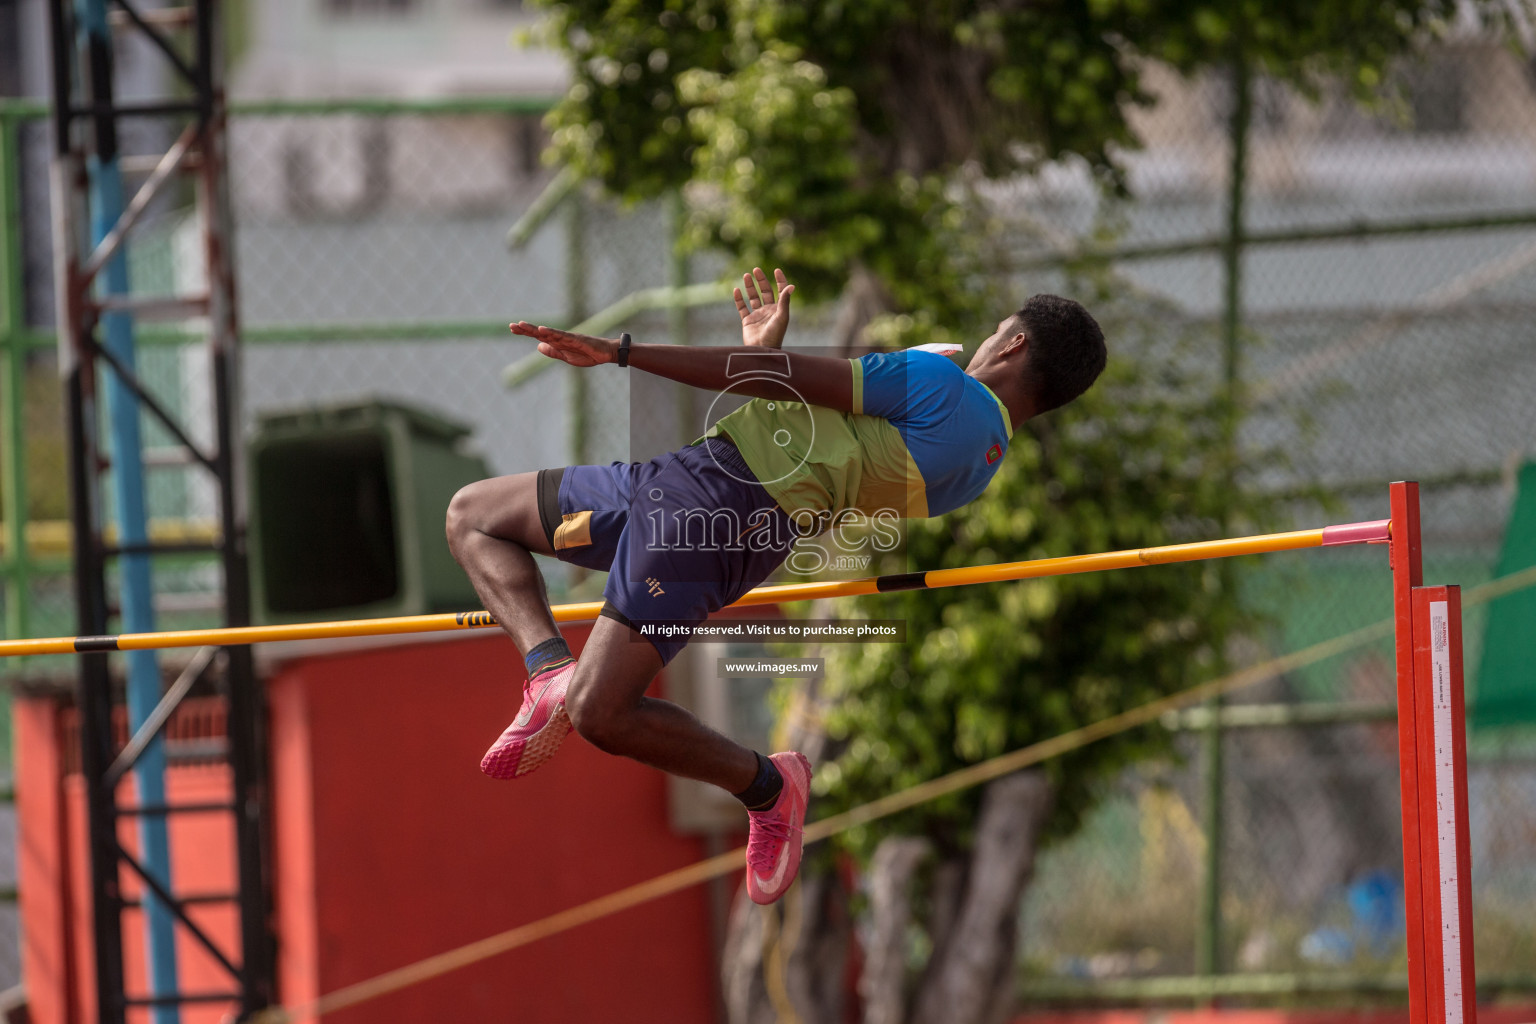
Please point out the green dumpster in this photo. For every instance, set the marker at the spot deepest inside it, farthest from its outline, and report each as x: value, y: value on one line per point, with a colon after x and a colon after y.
x: 347, y: 505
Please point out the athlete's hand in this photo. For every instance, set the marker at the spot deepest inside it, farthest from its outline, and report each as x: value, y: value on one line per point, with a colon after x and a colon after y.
x: 763, y: 319
x: 576, y: 349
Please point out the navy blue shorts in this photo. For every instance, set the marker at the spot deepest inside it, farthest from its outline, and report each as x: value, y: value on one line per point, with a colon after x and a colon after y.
x: 680, y: 536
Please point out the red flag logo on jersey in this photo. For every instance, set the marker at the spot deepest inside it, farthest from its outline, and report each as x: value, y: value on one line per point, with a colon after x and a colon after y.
x: 994, y: 453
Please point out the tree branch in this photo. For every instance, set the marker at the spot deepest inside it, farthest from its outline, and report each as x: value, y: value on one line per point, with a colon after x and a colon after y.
x: 971, y: 981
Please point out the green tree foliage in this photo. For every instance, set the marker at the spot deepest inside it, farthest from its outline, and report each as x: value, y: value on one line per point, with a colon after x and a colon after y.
x: 823, y: 135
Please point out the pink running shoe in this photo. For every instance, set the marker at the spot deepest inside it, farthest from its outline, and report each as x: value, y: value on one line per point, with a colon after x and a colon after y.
x: 535, y: 734
x: 773, y: 841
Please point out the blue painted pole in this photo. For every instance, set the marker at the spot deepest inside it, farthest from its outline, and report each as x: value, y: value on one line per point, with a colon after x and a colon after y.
x: 134, y: 570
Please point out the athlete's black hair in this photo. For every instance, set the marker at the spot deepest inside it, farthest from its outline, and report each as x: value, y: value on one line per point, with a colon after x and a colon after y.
x: 1066, y: 349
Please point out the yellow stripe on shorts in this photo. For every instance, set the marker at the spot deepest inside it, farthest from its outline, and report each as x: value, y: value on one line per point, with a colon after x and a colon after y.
x: 574, y: 531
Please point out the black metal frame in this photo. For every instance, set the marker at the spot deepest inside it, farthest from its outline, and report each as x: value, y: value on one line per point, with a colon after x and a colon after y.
x: 86, y: 115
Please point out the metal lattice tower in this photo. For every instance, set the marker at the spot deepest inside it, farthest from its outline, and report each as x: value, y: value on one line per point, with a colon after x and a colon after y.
x: 92, y: 227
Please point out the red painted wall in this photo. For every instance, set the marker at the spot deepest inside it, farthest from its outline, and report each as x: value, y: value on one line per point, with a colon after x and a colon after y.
x: 44, y: 872
x: 54, y: 881
x: 390, y: 846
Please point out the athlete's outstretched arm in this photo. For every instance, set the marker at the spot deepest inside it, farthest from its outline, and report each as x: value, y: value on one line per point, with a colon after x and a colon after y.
x: 748, y: 370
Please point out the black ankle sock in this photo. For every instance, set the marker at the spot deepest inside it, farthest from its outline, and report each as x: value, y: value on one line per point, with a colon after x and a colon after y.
x: 547, y: 655
x: 765, y: 788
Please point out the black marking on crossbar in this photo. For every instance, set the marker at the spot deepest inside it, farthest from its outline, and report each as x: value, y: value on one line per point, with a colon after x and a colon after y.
x: 901, y: 581
x: 96, y: 643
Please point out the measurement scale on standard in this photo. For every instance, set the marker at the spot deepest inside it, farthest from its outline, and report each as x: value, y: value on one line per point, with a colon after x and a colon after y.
x: 1445, y: 806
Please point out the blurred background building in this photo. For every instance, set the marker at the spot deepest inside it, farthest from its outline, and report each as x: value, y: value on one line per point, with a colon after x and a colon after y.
x: 423, y: 49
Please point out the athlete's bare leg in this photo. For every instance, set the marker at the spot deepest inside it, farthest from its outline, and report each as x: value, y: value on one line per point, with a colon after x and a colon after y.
x: 493, y: 529
x: 608, y: 707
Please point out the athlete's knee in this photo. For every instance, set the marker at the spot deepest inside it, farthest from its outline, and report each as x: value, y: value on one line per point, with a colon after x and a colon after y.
x: 501, y: 508
x: 597, y: 717
x: 462, y: 519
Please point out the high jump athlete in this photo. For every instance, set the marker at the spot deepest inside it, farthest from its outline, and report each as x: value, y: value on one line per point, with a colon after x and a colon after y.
x: 908, y: 433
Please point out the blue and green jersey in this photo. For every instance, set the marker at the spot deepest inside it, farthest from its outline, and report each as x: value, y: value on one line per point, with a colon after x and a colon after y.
x: 923, y: 439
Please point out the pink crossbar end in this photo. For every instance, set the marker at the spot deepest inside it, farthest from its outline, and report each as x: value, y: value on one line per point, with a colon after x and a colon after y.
x: 1378, y: 532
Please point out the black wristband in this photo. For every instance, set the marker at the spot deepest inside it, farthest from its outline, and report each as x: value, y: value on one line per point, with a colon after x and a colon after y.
x: 623, y: 355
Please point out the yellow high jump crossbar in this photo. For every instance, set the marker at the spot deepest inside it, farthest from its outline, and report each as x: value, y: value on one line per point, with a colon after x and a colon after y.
x: 1374, y: 532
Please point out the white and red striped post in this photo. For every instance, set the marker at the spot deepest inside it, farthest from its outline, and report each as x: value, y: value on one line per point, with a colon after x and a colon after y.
x: 1432, y: 763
